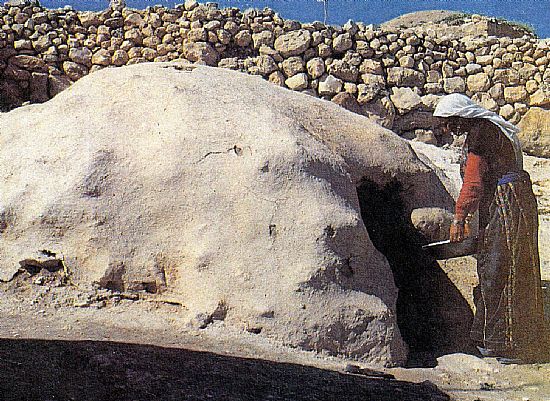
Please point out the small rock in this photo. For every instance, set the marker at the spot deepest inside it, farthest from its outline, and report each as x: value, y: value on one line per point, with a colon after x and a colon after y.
x: 120, y: 57
x: 342, y: 43
x: 541, y: 98
x: 454, y: 85
x: 478, y: 82
x: 297, y: 82
x: 277, y: 78
x: 293, y: 65
x: 81, y: 56
x: 200, y: 51
x: 515, y: 94
x: 330, y: 86
x: 316, y: 67
x: 507, y: 111
x: 102, y: 57
x: 405, y: 99
x: 341, y: 69
x: 74, y: 70
x: 266, y: 65
x: 293, y: 43
x: 243, y: 38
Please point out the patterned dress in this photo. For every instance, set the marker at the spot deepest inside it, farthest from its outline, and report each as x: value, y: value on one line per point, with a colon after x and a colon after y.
x: 509, y: 317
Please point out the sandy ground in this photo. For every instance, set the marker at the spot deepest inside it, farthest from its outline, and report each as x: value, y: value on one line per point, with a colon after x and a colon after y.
x: 61, y: 342
x: 109, y: 348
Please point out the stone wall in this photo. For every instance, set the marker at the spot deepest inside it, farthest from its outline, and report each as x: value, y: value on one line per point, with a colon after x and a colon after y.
x: 395, y: 77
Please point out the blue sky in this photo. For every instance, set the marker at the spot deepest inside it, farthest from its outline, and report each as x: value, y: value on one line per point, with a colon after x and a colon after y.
x: 533, y: 12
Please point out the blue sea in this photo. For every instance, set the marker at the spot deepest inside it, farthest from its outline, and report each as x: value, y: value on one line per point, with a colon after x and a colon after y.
x: 532, y: 12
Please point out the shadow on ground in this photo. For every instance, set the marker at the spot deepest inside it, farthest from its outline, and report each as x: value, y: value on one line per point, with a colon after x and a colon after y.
x: 103, y: 371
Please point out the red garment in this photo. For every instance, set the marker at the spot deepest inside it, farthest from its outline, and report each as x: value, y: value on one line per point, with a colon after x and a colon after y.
x: 472, y: 187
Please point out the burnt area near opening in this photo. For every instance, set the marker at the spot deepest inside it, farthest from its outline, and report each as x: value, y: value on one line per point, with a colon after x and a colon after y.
x: 432, y: 315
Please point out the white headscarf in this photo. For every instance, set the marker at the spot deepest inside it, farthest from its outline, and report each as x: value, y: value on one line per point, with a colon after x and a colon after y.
x: 462, y: 106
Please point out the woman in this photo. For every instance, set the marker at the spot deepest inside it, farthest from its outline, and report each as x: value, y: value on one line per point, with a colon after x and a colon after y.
x: 509, y: 320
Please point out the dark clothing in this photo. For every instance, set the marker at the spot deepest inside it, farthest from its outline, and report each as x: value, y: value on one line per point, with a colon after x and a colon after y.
x: 487, y: 141
x: 509, y: 318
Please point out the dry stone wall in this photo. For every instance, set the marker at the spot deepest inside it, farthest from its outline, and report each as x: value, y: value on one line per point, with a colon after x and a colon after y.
x: 395, y: 77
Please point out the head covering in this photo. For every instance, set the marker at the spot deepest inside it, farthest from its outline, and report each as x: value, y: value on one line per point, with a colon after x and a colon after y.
x: 457, y: 105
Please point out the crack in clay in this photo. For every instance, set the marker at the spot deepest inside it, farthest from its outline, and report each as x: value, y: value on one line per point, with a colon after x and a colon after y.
x: 238, y: 151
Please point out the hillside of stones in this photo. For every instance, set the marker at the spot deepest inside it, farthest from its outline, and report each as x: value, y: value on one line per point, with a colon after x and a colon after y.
x: 393, y: 74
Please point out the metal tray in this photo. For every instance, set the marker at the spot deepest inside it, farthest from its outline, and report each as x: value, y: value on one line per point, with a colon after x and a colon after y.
x: 447, y: 249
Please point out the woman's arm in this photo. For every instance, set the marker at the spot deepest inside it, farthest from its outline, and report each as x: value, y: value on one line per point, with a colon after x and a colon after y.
x: 470, y: 194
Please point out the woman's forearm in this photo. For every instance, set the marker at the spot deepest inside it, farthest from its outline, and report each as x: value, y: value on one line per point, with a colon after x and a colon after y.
x: 472, y: 187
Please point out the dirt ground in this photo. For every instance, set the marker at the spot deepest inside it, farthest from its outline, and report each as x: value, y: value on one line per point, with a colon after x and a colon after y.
x: 62, y: 342
x: 111, y: 348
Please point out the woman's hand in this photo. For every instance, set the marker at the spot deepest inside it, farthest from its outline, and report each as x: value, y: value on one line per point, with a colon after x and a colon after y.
x: 459, y: 231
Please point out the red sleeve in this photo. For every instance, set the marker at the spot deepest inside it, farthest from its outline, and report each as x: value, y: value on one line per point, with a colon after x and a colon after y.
x: 472, y: 187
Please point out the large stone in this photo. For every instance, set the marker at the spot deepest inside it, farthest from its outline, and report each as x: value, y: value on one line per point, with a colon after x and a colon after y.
x: 454, y: 85
x: 535, y: 132
x: 414, y: 120
x: 74, y: 70
x: 330, y: 86
x: 399, y: 76
x: 348, y: 102
x: 243, y: 38
x: 381, y: 111
x: 57, y: 84
x: 264, y: 38
x: 11, y: 94
x: 541, y: 98
x: 507, y: 111
x: 120, y: 57
x: 405, y: 99
x: 297, y: 82
x: 30, y: 63
x: 486, y: 101
x: 266, y: 65
x: 102, y: 57
x: 293, y: 43
x: 316, y: 67
x: 515, y: 94
x: 12, y: 72
x: 527, y: 71
x: 201, y: 52
x: 371, y: 87
x: 81, y: 56
x: 341, y: 43
x: 293, y: 65
x: 369, y: 66
x: 197, y: 35
x: 42, y: 43
x: 506, y: 76
x: 22, y: 44
x: 478, y: 82
x: 497, y: 91
x: 89, y: 18
x: 254, y: 213
x: 38, y: 87
x: 343, y: 70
